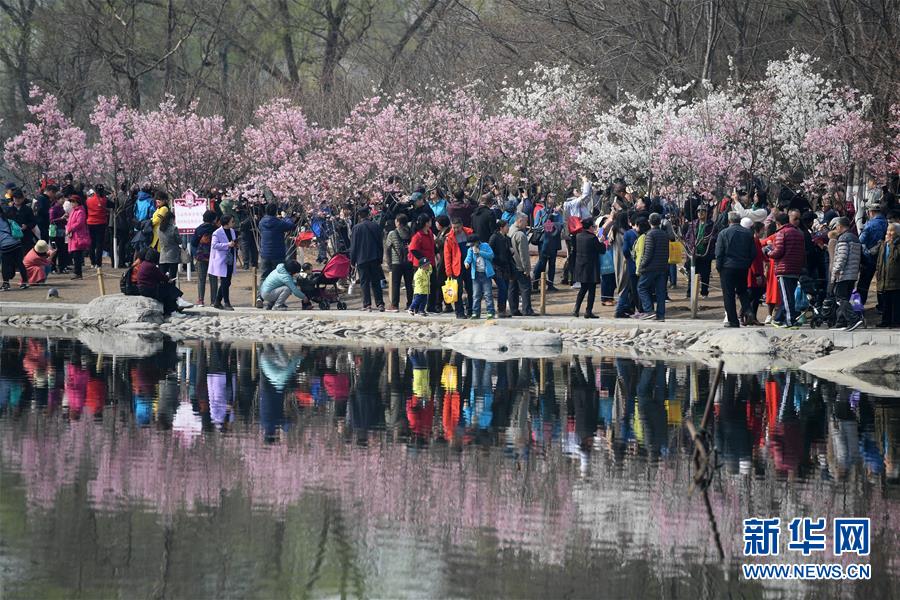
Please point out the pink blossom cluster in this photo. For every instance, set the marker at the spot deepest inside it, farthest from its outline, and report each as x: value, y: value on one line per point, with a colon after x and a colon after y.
x: 434, y: 139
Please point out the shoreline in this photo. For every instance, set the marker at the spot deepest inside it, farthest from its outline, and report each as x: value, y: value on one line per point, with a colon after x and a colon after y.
x: 31, y: 311
x: 674, y: 338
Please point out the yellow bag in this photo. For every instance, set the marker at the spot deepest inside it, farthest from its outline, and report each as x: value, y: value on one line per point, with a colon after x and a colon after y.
x: 676, y: 253
x: 451, y: 291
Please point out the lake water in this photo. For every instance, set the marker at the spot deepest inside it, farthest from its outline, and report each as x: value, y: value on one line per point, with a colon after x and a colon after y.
x: 220, y: 471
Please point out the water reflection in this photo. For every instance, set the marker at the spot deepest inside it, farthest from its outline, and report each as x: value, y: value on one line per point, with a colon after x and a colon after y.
x: 509, y: 478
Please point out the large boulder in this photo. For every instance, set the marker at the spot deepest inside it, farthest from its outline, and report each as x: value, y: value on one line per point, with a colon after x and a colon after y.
x: 495, y: 342
x: 744, y: 340
x: 862, y: 359
x: 114, y: 310
x: 870, y: 369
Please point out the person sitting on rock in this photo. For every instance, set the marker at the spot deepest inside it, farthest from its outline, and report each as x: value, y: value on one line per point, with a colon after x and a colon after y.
x: 153, y: 283
x: 279, y: 285
x: 38, y: 262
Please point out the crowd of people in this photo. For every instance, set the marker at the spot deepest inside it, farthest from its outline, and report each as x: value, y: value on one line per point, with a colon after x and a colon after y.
x: 470, y: 252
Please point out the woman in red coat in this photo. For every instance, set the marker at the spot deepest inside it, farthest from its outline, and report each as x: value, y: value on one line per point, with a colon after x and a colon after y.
x: 77, y: 234
x: 756, y: 275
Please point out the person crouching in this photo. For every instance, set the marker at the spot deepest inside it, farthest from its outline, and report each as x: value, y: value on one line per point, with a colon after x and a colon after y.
x: 38, y: 262
x: 279, y: 285
x: 153, y: 283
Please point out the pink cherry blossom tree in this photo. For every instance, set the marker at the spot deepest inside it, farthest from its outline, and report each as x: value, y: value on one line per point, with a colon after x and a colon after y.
x: 51, y: 145
x: 184, y: 150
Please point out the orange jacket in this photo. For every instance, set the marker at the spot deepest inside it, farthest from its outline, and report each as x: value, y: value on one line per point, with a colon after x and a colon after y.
x: 453, y: 255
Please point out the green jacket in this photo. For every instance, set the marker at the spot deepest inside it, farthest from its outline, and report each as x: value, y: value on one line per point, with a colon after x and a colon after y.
x: 887, y: 270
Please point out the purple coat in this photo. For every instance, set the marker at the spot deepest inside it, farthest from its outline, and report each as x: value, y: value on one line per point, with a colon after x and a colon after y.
x: 220, y: 255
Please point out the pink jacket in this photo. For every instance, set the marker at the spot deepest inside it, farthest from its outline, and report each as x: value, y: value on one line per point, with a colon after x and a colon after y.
x: 77, y: 230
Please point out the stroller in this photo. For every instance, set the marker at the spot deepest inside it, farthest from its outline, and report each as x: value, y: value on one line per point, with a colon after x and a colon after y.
x: 321, y: 286
x: 821, y: 309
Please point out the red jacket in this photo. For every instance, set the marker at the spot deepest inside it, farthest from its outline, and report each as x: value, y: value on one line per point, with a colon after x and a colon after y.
x: 453, y: 254
x: 423, y: 243
x: 756, y: 276
x: 788, y: 251
x: 97, y: 210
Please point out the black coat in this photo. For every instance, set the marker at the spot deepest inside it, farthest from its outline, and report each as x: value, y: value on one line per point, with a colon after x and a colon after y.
x: 365, y: 243
x: 735, y: 248
x: 588, y: 249
x: 484, y: 223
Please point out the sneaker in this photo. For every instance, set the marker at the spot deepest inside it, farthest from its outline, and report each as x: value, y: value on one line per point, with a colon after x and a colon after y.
x: 280, y: 307
x: 490, y: 315
x: 411, y: 311
x: 515, y: 313
x: 768, y: 320
x: 182, y: 303
x: 393, y: 309
x: 218, y: 306
x: 838, y: 329
x: 23, y: 286
x: 531, y: 313
x: 199, y: 302
x: 227, y: 306
x: 857, y: 325
x: 424, y: 313
x: 177, y: 315
x: 4, y: 287
x: 269, y: 305
x: 259, y: 303
x: 576, y: 286
x: 475, y: 317
x: 638, y: 315
x: 381, y: 308
x: 648, y: 317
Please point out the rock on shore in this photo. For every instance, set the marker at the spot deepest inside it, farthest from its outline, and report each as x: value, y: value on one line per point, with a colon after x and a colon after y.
x: 114, y: 310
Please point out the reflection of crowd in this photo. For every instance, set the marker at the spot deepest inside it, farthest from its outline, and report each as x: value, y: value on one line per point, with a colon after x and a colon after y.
x: 788, y: 421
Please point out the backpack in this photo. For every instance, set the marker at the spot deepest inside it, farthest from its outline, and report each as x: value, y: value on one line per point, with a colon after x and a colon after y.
x: 125, y: 284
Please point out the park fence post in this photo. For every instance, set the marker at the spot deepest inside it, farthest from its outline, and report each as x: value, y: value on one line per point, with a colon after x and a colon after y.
x: 543, y: 294
x: 101, y: 282
x: 695, y: 293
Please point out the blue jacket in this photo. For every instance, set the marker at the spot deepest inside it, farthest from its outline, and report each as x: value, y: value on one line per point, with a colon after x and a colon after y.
x: 872, y: 234
x: 271, y: 237
x: 144, y: 207
x: 438, y: 208
x: 278, y: 278
x: 484, y: 249
x: 628, y: 242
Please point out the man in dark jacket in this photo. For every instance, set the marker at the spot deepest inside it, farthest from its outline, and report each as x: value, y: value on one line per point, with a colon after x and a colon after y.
x: 272, y: 251
x: 734, y: 255
x: 503, y: 265
x: 461, y: 208
x: 654, y: 268
x: 788, y: 250
x: 365, y: 255
x: 25, y: 218
x: 484, y: 221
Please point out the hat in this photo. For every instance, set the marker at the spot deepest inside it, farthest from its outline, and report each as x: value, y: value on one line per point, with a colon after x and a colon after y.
x: 873, y: 205
x: 42, y: 247
x: 423, y: 262
x: 833, y: 223
x: 747, y: 223
x: 415, y: 196
x: 511, y: 205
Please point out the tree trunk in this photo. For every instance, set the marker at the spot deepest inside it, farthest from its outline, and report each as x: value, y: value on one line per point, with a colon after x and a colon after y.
x: 287, y: 43
x: 330, y: 59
